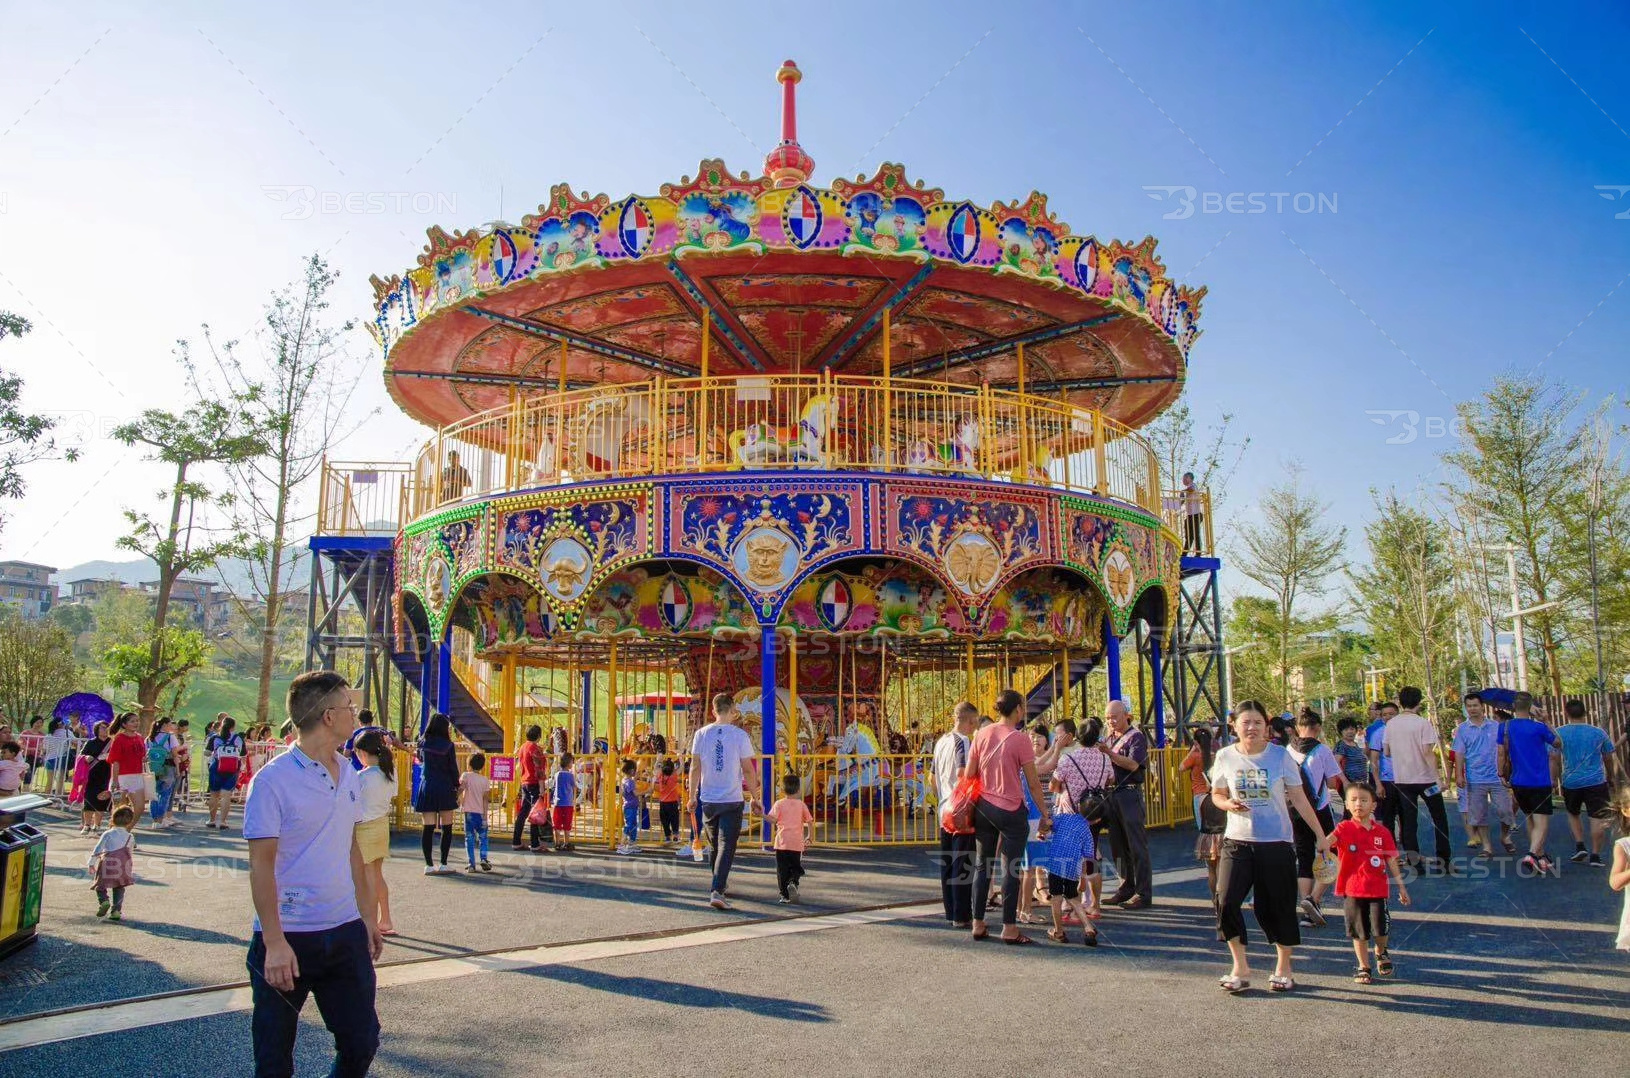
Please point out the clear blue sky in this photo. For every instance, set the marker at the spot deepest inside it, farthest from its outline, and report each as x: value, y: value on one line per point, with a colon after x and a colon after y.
x: 1468, y: 236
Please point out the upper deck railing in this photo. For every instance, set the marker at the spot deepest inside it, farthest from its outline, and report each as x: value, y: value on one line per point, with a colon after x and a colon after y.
x: 1188, y: 513
x: 755, y: 423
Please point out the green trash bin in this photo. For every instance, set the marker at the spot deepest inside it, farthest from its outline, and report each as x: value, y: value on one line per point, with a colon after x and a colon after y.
x: 22, y: 873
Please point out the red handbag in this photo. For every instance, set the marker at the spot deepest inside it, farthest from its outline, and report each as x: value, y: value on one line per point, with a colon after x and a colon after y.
x: 957, y: 818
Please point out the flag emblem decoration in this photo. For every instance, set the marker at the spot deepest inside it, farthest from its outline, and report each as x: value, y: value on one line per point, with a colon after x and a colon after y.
x: 802, y: 218
x: 963, y: 233
x: 834, y: 603
x: 634, y: 228
x: 1086, y: 264
x: 676, y: 604
x: 504, y: 256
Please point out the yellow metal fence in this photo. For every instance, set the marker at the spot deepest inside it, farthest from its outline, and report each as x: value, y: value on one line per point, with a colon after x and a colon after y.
x: 783, y: 422
x: 878, y: 800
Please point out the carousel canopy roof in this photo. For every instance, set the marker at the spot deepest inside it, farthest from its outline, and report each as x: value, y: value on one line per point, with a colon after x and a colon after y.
x: 791, y: 277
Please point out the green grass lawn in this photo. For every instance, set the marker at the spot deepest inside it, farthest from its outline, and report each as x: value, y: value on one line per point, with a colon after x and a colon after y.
x: 236, y: 697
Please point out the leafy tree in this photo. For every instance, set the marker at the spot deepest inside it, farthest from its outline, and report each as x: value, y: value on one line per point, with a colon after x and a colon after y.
x: 24, y: 438
x: 37, y: 666
x: 1407, y: 595
x: 75, y: 618
x: 1520, y: 463
x: 211, y: 432
x: 1179, y: 449
x: 1289, y: 551
x: 297, y: 391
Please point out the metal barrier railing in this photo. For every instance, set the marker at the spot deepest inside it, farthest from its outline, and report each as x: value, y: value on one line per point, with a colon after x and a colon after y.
x: 1187, y: 513
x: 781, y: 422
x: 362, y: 498
x: 857, y: 800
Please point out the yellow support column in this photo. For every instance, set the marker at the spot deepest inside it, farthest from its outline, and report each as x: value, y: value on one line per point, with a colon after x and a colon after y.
x: 506, y: 703
x: 703, y: 435
x: 1100, y: 455
x: 970, y: 682
x: 888, y: 410
x: 1024, y: 422
x: 560, y: 416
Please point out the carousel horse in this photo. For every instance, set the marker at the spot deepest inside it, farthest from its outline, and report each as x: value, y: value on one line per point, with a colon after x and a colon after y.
x: 544, y: 467
x: 762, y: 443
x: 860, y: 781
x: 604, y: 429
x: 962, y: 451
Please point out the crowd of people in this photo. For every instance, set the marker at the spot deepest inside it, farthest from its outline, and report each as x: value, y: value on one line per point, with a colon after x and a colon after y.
x: 1031, y: 819
x: 148, y: 766
x: 1282, y: 816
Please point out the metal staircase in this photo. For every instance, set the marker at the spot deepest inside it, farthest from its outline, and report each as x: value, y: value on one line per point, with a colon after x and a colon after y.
x: 1042, y: 693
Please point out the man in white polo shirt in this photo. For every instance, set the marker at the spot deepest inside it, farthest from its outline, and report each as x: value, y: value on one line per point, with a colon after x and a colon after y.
x: 314, y: 907
x: 721, y: 764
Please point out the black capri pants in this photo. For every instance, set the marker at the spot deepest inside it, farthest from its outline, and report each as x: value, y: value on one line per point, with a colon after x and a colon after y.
x: 1267, y: 872
x: 1307, y: 846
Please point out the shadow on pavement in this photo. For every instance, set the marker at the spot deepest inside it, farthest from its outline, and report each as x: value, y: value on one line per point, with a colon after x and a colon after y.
x: 652, y: 990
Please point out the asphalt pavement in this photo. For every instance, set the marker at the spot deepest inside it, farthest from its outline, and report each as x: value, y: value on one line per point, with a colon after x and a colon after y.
x: 593, y: 964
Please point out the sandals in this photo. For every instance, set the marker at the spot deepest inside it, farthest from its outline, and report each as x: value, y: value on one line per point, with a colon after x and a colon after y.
x: 1233, y: 985
x: 1058, y: 935
x: 1021, y: 940
x: 1361, y: 975
x: 1383, y: 964
x: 1277, y: 983
x: 1090, y: 939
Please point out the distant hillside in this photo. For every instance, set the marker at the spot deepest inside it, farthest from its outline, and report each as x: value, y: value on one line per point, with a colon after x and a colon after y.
x: 233, y: 574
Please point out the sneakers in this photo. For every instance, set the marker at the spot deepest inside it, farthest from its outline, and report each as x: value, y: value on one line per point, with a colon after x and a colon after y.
x: 792, y: 893
x: 486, y: 866
x: 1596, y: 861
x: 717, y: 901
x: 699, y: 854
x: 1579, y: 856
x: 102, y: 908
x: 430, y: 870
x: 115, y: 914
x: 627, y: 849
x: 785, y: 900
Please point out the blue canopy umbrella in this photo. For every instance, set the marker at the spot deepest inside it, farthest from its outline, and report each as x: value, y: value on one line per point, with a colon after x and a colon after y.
x: 88, y: 707
x: 1498, y: 697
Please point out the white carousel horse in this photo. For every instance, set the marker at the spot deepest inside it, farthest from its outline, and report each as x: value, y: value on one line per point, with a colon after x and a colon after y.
x: 962, y: 451
x: 544, y: 468
x: 761, y: 443
x: 604, y: 428
x: 858, y: 766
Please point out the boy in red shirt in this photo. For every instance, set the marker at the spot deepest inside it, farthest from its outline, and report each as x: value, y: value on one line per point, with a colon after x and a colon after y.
x: 1365, y: 854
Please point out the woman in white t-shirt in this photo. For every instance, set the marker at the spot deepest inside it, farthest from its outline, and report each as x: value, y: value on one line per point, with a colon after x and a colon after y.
x: 1257, y: 784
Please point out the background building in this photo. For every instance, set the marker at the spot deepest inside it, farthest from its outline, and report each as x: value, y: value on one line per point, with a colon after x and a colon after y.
x: 27, y: 586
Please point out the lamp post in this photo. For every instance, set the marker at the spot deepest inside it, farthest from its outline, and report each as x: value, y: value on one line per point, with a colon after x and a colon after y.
x: 1228, y: 672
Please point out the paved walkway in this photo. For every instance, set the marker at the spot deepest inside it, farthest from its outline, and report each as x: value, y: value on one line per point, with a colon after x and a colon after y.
x: 608, y: 965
